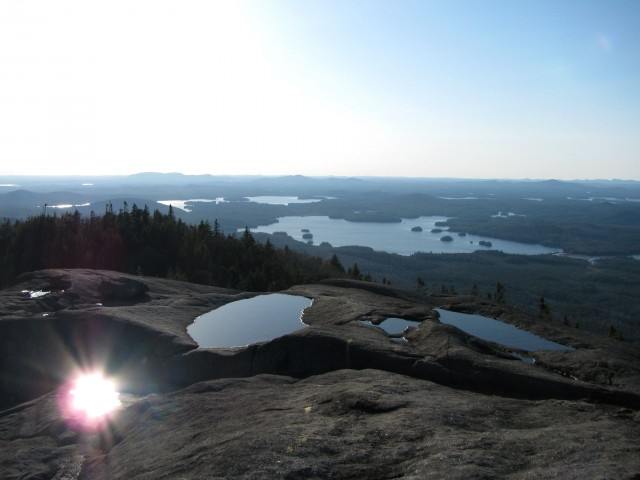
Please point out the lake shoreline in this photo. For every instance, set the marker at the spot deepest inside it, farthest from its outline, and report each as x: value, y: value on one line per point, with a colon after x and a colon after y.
x: 403, y: 238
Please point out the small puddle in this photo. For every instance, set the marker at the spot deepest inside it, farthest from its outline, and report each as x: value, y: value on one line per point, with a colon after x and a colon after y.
x: 248, y: 321
x: 524, y: 358
x: 36, y: 293
x: 496, y: 331
x: 392, y: 325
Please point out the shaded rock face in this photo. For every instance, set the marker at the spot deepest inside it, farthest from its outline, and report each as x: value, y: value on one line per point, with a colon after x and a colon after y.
x: 93, y: 320
x: 122, y: 289
x: 337, y: 399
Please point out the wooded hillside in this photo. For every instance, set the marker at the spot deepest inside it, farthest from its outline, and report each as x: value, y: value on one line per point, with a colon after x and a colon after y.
x: 138, y: 241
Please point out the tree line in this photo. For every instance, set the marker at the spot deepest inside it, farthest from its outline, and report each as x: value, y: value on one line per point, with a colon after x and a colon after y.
x: 137, y: 241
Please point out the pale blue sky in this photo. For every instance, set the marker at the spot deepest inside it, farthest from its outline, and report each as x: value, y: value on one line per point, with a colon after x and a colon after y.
x: 473, y: 89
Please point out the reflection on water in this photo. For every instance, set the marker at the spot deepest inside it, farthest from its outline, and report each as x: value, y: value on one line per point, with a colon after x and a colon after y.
x: 268, y: 199
x: 281, y: 200
x: 401, y: 237
x: 182, y: 204
x: 248, y: 321
x: 502, y: 214
x: 605, y: 199
x: 499, y: 332
x: 69, y: 205
x: 459, y: 198
x: 36, y: 293
x: 394, y: 326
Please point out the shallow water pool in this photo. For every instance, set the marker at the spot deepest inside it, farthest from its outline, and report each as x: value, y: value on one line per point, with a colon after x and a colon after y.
x: 394, y: 326
x: 496, y: 331
x: 248, y: 321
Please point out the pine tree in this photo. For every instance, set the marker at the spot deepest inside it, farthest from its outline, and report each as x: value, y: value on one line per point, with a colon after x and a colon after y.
x: 354, y: 272
x: 247, y: 238
x: 498, y: 296
x: 335, y: 261
x: 217, y: 230
x: 544, y: 310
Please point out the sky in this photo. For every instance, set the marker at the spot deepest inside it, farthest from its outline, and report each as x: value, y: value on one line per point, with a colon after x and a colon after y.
x: 469, y: 89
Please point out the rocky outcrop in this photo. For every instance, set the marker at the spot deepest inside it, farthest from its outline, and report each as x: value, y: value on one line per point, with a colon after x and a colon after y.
x: 337, y: 399
x: 93, y: 318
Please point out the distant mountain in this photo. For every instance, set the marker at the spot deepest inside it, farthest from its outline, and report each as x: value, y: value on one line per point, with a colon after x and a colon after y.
x: 166, y: 178
x: 37, y: 199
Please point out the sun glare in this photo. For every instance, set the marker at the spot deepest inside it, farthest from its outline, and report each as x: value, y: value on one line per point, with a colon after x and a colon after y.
x: 94, y: 396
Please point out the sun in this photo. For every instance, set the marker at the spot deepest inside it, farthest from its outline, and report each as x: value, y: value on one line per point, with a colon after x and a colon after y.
x: 94, y: 396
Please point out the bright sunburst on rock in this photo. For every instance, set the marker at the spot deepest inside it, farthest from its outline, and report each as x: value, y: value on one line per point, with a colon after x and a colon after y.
x: 94, y: 395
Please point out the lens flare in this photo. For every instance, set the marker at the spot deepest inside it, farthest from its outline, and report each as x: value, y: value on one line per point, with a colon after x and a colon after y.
x: 94, y: 396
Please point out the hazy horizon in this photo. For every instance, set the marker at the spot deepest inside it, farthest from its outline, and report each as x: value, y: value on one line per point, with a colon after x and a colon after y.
x: 377, y: 88
x: 363, y: 177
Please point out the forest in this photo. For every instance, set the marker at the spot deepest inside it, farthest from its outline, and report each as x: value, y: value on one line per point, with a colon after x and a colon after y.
x: 142, y: 242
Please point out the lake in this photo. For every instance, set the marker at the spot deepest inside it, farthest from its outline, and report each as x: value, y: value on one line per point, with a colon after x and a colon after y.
x: 496, y: 331
x: 281, y: 200
x: 183, y: 204
x: 248, y: 321
x: 394, y: 237
x: 267, y: 199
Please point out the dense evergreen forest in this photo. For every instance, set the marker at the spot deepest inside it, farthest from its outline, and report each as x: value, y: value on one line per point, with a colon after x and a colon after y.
x: 138, y: 241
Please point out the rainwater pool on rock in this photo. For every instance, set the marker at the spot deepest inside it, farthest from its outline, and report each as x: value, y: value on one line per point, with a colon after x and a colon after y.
x: 248, y: 321
x: 394, y: 326
x: 499, y: 332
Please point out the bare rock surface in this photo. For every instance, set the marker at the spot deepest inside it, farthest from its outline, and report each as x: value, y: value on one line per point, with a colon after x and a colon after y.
x: 336, y: 399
